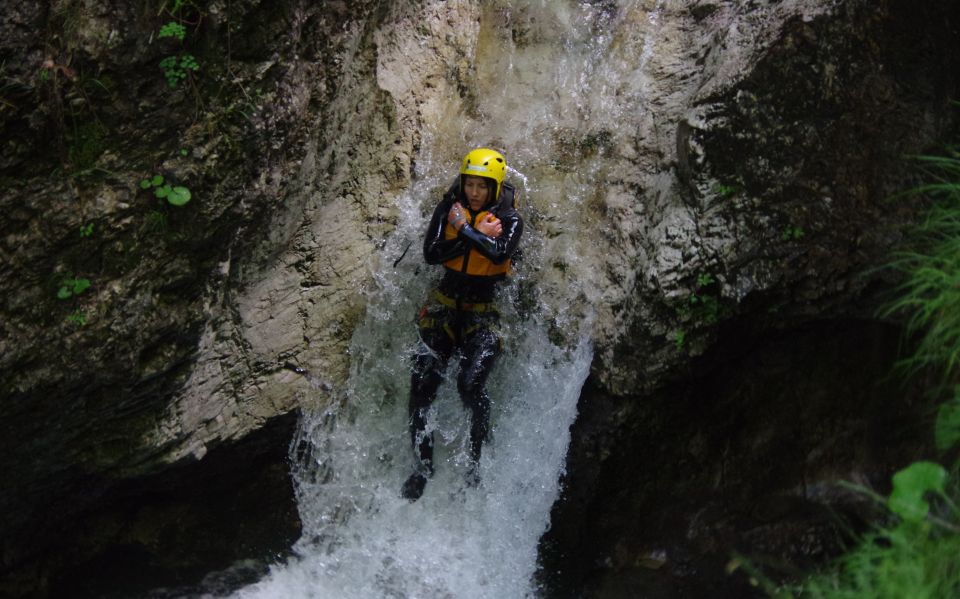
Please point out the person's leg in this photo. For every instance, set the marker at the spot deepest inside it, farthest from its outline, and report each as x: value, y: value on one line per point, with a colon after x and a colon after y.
x: 425, y: 379
x: 426, y: 376
x: 480, y: 351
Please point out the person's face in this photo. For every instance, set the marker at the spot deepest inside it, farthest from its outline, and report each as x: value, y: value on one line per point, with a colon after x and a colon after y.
x: 477, y: 190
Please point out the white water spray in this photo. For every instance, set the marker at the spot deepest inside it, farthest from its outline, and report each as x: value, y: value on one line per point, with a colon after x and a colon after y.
x: 361, y: 539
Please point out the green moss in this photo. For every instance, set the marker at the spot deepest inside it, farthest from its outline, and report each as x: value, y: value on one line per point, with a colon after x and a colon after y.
x: 85, y: 144
x: 702, y: 306
x: 727, y: 191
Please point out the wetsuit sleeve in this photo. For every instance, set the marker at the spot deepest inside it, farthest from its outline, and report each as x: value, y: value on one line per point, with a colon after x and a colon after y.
x: 500, y: 249
x: 436, y: 249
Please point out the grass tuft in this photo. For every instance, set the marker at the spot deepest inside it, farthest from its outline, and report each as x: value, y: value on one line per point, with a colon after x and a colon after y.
x: 929, y: 298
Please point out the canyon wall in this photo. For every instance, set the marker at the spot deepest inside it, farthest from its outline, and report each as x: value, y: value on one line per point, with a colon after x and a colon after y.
x: 710, y: 176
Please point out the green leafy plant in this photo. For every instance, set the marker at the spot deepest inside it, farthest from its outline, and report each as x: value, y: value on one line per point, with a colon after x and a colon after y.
x: 705, y: 308
x: 725, y: 191
x: 946, y: 432
x: 176, y: 68
x: 176, y: 195
x: 154, y: 181
x: 909, y: 487
x: 703, y: 303
x: 791, y: 233
x: 915, y: 556
x: 680, y: 339
x: 174, y: 30
x: 86, y: 230
x: 78, y: 317
x: 157, y: 221
x: 70, y: 287
x: 890, y: 563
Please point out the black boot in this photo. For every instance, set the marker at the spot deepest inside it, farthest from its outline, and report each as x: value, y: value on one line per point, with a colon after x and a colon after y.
x: 472, y: 478
x: 413, y: 488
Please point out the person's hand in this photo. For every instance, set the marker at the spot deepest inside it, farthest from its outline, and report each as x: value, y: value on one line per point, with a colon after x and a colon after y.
x: 490, y: 226
x: 456, y: 216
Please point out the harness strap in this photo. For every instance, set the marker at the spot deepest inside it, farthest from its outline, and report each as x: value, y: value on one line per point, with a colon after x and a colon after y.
x: 449, y: 332
x: 463, y: 306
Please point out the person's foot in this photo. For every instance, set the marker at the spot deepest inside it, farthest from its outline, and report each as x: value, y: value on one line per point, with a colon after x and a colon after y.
x: 413, y: 488
x: 472, y: 477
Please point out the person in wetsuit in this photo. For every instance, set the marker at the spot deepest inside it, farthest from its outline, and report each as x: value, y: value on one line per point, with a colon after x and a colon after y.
x: 473, y: 233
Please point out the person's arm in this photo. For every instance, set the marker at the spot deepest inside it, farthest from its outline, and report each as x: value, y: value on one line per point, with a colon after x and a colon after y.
x: 436, y: 249
x: 498, y: 249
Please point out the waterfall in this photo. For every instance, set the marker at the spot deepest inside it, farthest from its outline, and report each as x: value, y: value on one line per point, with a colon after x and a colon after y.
x: 361, y: 539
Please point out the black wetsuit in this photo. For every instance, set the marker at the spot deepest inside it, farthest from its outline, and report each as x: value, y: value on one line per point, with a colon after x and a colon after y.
x: 459, y: 316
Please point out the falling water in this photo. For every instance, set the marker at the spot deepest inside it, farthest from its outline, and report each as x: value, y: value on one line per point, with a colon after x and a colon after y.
x: 361, y: 539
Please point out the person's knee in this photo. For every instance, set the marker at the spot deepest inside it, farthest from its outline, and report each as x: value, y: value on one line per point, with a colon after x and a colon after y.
x: 424, y: 386
x: 470, y: 385
x: 491, y: 344
x: 474, y: 395
x: 426, y: 375
x: 426, y: 361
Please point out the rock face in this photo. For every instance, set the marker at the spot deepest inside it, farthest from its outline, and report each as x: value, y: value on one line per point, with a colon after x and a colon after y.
x: 706, y: 177
x: 174, y: 341
x: 739, y: 456
x: 778, y: 382
x: 783, y: 169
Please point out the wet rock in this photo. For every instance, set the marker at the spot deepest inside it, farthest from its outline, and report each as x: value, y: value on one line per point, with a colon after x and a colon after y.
x: 174, y: 529
x: 739, y: 460
x: 162, y: 357
x: 776, y: 206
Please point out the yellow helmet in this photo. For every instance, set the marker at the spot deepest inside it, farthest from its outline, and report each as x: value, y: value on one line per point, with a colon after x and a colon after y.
x: 487, y: 163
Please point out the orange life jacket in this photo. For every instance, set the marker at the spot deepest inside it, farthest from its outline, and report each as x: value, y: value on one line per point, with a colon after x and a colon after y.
x: 474, y: 262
